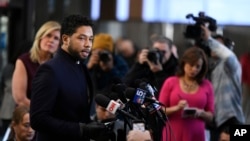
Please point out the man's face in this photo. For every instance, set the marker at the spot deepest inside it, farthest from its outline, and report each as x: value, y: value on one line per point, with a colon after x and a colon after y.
x: 80, y: 43
x: 164, y: 48
x: 126, y: 48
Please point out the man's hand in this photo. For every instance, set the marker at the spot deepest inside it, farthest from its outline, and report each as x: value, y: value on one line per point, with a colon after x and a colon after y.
x: 155, y: 67
x: 138, y: 135
x: 206, y: 33
x: 93, y: 130
x: 94, y: 59
x: 143, y: 56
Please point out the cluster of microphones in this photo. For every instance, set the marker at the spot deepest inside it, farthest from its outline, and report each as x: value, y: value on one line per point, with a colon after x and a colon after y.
x: 134, y: 104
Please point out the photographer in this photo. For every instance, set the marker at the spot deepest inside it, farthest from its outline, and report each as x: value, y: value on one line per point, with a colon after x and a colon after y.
x: 226, y: 79
x: 155, y: 64
x: 105, y: 68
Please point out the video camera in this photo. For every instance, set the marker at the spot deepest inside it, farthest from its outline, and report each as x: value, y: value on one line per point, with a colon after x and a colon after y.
x: 195, y: 32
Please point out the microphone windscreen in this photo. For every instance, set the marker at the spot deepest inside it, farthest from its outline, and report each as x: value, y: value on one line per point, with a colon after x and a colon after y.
x: 102, y: 100
x: 119, y: 89
x: 116, y: 80
x: 130, y: 93
x: 137, y: 83
x: 145, y: 80
x: 113, y: 96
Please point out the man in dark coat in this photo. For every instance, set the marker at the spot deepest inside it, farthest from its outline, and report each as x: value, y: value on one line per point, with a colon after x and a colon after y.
x: 62, y: 89
x: 154, y: 65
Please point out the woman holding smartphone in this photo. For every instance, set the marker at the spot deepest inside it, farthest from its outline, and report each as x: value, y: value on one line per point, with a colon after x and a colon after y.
x: 188, y: 98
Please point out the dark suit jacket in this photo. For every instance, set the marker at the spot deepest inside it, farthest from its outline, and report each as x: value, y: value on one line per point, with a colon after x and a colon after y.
x: 61, y: 99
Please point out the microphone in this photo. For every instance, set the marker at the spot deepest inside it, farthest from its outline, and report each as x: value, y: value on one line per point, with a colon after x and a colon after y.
x: 119, y: 89
x: 112, y: 106
x: 139, y: 96
x: 119, y: 96
x: 154, y: 105
x: 115, y: 97
x: 146, y: 86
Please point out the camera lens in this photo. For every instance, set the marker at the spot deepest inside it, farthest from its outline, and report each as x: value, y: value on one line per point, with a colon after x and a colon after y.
x: 154, y: 55
x: 104, y: 56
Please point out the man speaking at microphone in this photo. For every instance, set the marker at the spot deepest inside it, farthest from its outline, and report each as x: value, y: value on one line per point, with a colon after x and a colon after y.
x: 62, y: 90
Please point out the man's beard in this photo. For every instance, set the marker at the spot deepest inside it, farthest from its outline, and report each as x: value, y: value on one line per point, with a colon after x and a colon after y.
x: 75, y: 54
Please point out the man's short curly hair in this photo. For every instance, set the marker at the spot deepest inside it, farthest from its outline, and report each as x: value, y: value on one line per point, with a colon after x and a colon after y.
x: 72, y: 22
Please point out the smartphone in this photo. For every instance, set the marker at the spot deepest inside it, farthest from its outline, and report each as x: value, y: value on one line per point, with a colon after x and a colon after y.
x: 138, y: 125
x: 189, y: 112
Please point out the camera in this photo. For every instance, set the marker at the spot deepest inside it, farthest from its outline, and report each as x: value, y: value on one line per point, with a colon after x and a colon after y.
x: 155, y: 55
x: 195, y: 31
x: 104, y: 56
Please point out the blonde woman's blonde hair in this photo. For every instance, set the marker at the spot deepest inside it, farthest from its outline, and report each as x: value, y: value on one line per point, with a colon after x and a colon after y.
x: 43, y: 31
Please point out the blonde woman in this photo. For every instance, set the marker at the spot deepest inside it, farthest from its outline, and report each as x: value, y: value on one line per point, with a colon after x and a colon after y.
x: 44, y: 46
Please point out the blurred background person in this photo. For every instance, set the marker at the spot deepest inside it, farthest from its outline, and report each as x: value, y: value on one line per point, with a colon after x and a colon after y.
x: 104, y: 66
x: 44, y: 46
x: 154, y: 64
x: 225, y: 135
x: 225, y: 75
x: 213, y: 61
x: 173, y: 48
x: 188, y: 89
x: 20, y: 125
x: 245, y: 65
x: 127, y: 48
x: 8, y: 104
